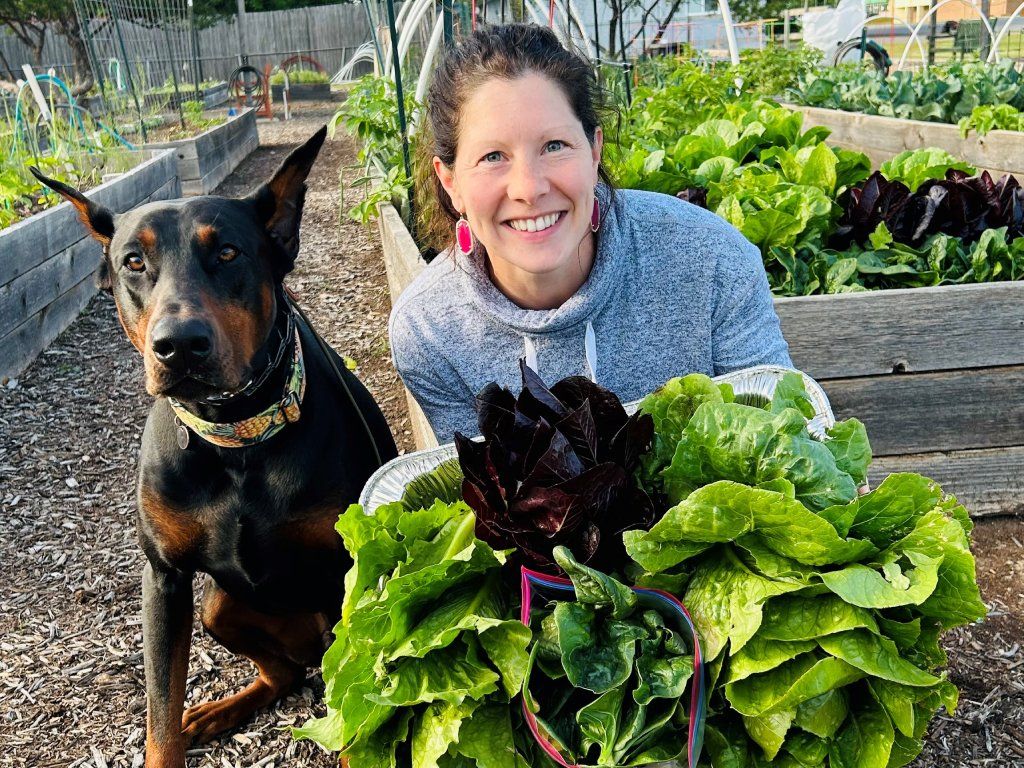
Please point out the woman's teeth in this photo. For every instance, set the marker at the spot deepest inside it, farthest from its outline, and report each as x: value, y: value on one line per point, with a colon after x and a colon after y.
x: 534, y: 225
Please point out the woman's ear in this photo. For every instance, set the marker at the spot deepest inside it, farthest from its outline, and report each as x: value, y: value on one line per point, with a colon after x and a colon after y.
x: 596, y: 146
x: 447, y: 178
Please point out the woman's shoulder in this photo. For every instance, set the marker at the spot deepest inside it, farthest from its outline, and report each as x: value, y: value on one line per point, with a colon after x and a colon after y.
x: 659, y: 209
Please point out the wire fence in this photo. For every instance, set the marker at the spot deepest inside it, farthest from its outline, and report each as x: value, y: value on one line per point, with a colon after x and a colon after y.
x: 328, y: 33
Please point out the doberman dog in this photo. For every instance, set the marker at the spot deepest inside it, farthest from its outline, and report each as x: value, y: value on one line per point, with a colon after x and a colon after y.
x: 236, y: 480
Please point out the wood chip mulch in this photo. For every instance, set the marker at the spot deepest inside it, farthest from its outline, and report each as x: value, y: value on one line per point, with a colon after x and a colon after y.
x: 71, y: 676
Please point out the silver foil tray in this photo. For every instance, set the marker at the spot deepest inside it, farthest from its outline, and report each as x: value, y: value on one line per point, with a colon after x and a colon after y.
x: 388, y: 483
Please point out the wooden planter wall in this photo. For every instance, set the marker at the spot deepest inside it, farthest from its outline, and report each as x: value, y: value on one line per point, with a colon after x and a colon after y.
x: 46, y: 273
x: 402, y: 262
x: 206, y: 160
x: 936, y: 374
x: 880, y: 138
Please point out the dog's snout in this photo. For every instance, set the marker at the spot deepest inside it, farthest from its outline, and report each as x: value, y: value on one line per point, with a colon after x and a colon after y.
x: 182, y: 344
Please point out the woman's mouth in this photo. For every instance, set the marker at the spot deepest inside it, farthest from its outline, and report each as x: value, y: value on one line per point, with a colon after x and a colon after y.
x: 537, y: 223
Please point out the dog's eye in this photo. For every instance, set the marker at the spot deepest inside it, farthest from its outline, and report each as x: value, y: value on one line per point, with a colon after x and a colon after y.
x: 228, y: 253
x: 134, y: 262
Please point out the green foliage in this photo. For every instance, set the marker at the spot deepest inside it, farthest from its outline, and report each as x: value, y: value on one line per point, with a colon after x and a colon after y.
x: 882, y: 263
x: 763, y: 174
x: 771, y: 70
x: 370, y: 113
x: 608, y: 674
x: 938, y: 94
x: 820, y: 612
x: 1001, y: 117
x: 300, y: 77
x: 60, y: 148
x: 916, y: 166
x: 424, y: 652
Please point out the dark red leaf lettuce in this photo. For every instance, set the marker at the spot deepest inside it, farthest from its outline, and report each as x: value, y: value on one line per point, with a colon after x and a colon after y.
x: 556, y: 468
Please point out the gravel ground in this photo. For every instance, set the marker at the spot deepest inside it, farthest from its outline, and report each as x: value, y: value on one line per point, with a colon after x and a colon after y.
x: 71, y: 679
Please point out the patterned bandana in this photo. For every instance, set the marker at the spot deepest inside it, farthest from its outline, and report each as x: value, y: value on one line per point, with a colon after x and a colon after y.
x: 260, y: 427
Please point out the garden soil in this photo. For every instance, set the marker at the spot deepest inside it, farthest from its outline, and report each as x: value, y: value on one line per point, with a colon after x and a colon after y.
x: 71, y: 675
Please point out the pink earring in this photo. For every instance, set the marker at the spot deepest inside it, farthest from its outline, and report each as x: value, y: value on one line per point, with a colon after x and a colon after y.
x: 464, y: 236
x: 595, y: 216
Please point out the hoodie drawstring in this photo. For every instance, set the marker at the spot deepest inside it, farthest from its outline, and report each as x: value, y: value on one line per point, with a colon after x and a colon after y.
x: 589, y: 350
x: 530, y: 352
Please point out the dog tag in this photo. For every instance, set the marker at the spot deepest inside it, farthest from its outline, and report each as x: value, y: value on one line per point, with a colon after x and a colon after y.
x: 182, y: 434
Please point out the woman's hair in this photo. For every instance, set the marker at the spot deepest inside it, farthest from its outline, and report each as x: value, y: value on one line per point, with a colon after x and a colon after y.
x: 506, y: 51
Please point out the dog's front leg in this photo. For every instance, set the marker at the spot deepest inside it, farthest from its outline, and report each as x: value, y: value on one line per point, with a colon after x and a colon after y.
x: 166, y: 637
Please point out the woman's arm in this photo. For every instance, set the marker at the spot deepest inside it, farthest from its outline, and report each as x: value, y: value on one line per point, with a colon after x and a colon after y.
x: 745, y: 330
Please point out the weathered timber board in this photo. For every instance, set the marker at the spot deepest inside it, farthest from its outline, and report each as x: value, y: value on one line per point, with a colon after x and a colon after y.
x: 21, y: 346
x: 881, y: 138
x: 204, y: 161
x: 401, y: 255
x: 402, y: 262
x: 906, y: 330
x: 987, y: 482
x: 26, y: 295
x: 947, y: 411
x: 37, y: 238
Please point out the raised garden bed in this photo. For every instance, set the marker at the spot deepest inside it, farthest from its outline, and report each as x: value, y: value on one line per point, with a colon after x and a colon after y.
x: 934, y: 373
x: 204, y: 161
x: 303, y: 92
x: 881, y: 138
x: 212, y: 96
x: 46, y: 275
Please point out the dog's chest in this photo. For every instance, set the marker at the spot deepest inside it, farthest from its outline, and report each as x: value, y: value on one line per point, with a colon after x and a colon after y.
x: 252, y: 531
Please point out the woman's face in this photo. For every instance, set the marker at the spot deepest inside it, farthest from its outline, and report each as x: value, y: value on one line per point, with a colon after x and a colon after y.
x: 524, y: 177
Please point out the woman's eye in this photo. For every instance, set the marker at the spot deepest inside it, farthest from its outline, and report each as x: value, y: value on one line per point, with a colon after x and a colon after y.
x: 134, y: 262
x: 492, y: 157
x: 554, y: 146
x: 228, y: 253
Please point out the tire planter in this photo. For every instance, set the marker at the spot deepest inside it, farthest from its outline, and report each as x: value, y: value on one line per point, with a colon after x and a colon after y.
x: 303, y: 92
x: 880, y: 138
x: 934, y: 373
x: 204, y: 161
x: 46, y: 275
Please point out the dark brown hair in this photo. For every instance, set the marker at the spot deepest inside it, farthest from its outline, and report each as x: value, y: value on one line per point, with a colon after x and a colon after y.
x: 506, y: 51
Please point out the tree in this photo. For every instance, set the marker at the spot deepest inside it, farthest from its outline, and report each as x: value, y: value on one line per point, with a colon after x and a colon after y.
x: 211, y: 11
x: 29, y: 21
x: 751, y: 10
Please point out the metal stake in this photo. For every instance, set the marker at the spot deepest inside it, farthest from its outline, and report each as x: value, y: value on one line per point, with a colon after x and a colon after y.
x: 401, y: 97
x: 174, y: 73
x: 197, y: 74
x: 446, y: 15
x: 128, y: 67
x: 373, y: 33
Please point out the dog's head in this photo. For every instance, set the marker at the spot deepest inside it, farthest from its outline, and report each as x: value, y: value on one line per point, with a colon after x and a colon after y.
x: 196, y: 280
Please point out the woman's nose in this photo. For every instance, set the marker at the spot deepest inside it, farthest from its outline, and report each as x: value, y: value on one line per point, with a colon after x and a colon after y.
x: 527, y: 181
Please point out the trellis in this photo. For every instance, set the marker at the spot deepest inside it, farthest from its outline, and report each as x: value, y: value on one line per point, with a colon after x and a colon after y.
x: 142, y: 50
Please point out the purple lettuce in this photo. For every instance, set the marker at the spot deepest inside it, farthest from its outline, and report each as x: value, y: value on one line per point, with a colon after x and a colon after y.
x: 556, y: 468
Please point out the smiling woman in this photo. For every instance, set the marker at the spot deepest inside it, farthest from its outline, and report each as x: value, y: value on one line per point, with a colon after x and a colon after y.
x: 549, y: 262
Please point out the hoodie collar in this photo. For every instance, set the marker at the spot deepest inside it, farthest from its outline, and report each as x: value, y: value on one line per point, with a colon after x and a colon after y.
x: 589, y: 299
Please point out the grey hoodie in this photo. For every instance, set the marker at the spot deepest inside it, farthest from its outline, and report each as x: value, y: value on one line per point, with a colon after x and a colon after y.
x: 674, y: 289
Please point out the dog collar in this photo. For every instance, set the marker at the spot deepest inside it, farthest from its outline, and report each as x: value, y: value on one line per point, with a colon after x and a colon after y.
x: 255, y: 429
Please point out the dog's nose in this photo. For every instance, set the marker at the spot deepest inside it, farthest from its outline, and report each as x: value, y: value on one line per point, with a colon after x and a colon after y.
x: 181, y: 344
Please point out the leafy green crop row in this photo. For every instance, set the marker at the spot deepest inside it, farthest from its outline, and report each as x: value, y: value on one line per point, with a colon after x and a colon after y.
x: 939, y: 94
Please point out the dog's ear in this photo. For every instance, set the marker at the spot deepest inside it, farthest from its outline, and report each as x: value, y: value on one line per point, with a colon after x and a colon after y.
x: 98, y: 220
x: 279, y: 201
